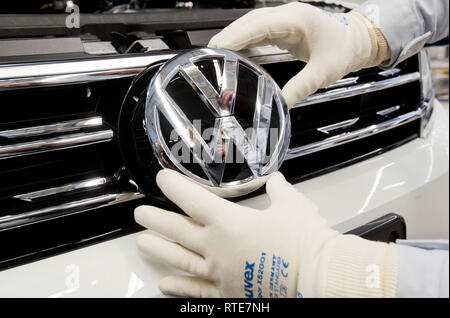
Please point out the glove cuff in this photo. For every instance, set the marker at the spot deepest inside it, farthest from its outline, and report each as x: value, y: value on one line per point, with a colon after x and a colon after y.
x: 361, y: 268
x: 380, y: 48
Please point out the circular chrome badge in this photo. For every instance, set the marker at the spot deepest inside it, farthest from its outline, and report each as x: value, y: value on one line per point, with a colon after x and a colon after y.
x: 217, y: 118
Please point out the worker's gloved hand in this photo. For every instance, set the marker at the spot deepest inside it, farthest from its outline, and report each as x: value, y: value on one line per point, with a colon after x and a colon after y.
x: 332, y: 44
x: 287, y: 250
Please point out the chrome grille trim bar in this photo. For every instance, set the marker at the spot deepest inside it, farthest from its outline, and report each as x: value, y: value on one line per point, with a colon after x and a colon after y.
x: 344, y: 82
x: 56, y: 143
x: 53, y: 80
x: 85, y: 184
x: 73, y: 67
x: 61, y: 127
x: 29, y: 75
x: 346, y: 137
x: 337, y: 126
x: 84, y: 204
x: 390, y: 72
x: 358, y: 89
x: 388, y: 111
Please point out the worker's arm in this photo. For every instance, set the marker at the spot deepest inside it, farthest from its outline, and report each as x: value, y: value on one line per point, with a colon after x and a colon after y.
x: 407, y: 25
x: 423, y: 269
x: 380, y: 32
x: 333, y: 45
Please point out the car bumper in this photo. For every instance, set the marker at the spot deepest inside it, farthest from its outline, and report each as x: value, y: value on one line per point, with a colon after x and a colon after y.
x: 411, y: 180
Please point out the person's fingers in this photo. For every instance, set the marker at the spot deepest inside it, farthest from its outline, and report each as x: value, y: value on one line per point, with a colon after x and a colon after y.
x: 202, y: 205
x: 172, y: 254
x: 278, y: 189
x: 282, y: 192
x: 177, y: 227
x: 187, y: 286
x: 307, y: 81
x: 253, y: 29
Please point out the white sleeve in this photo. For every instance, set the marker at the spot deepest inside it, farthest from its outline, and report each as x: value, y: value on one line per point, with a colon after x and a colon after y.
x: 423, y: 269
x: 408, y: 25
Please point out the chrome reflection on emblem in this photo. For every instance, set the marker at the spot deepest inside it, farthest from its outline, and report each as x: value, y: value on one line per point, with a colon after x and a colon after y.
x: 217, y: 118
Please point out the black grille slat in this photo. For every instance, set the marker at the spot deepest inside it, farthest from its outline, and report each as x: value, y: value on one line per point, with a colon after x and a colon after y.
x: 363, y: 107
x: 37, y: 106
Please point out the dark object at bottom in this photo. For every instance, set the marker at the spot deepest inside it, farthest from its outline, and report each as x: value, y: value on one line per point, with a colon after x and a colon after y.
x: 388, y: 228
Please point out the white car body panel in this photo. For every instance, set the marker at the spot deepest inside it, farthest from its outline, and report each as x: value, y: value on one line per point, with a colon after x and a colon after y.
x: 411, y: 180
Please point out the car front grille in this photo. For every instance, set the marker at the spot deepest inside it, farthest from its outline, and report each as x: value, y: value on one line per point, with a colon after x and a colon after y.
x: 60, y: 157
x: 362, y: 115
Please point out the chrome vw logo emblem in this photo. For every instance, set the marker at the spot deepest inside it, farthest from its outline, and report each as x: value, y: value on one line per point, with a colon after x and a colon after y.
x: 217, y: 118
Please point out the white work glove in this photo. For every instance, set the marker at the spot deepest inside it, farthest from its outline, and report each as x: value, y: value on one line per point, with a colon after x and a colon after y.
x: 287, y: 250
x: 333, y: 45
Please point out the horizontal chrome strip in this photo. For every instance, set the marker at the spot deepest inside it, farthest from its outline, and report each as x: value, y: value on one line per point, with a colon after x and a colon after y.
x: 52, y: 80
x: 341, y: 125
x: 91, y: 66
x: 85, y: 184
x: 344, y: 82
x: 85, y: 205
x: 358, y: 89
x: 61, y: 127
x: 390, y: 72
x: 360, y: 133
x: 388, y: 111
x: 56, y: 143
x: 28, y: 75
